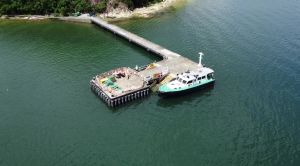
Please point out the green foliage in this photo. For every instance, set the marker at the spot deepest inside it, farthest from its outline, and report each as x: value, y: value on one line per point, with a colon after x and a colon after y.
x: 61, y: 7
x: 101, y: 6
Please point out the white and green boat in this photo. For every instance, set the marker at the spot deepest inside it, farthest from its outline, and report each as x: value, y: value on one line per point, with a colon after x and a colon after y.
x: 188, y: 81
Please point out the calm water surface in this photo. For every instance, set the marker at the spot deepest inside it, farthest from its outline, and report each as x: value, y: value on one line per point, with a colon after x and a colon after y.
x: 49, y: 116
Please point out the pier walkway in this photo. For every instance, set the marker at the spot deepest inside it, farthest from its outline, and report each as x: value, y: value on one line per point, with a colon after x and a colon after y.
x: 173, y: 61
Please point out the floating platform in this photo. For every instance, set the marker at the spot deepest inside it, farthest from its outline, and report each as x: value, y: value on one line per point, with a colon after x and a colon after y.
x: 119, y: 86
x: 124, y: 84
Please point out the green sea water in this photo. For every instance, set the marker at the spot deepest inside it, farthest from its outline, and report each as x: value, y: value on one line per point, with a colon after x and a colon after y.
x: 50, y: 117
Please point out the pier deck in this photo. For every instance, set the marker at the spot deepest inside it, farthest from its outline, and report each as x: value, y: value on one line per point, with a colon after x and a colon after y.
x: 172, y: 62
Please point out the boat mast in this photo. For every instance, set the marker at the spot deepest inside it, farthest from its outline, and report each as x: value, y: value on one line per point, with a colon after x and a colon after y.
x: 200, y: 59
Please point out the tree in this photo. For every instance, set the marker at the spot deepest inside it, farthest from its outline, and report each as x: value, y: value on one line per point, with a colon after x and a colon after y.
x: 62, y: 7
x: 101, y: 6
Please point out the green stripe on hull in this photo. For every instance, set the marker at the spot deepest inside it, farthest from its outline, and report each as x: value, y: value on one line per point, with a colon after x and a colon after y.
x: 164, y: 88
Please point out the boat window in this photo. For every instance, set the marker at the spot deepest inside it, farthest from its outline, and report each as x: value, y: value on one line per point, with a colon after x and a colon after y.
x: 210, y: 76
x: 180, y: 80
x: 190, y: 82
x: 203, y: 77
x: 199, y: 78
x: 184, y: 81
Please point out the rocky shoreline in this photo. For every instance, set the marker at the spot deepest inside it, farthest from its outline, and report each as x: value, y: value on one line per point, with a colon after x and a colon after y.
x: 25, y: 17
x: 144, y: 12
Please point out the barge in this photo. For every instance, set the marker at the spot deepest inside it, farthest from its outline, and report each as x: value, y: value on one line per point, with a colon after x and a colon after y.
x: 122, y: 85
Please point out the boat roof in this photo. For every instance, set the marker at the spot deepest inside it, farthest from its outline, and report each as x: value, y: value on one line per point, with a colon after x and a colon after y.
x: 188, y: 76
x: 191, y: 75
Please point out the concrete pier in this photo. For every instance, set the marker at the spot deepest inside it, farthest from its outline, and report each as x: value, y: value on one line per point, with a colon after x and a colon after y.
x: 173, y: 61
x: 170, y: 65
x: 164, y: 53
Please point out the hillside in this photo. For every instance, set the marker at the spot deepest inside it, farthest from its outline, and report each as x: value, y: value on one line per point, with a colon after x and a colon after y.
x: 67, y: 7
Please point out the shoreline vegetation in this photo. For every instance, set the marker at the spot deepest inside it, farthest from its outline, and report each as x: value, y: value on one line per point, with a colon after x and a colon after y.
x: 113, y: 10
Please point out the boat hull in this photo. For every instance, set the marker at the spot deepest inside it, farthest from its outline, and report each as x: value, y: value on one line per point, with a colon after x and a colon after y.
x: 187, y: 91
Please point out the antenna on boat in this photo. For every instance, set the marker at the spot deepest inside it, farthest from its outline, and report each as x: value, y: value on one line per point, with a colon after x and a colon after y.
x: 200, y: 59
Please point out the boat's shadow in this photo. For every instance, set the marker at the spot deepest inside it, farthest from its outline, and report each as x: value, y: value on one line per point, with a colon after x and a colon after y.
x: 172, y: 101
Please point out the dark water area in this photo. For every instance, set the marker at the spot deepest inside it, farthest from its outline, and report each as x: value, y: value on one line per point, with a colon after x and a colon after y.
x: 49, y: 116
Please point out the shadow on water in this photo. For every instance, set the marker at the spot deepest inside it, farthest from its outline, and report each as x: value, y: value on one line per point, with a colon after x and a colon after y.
x: 190, y: 97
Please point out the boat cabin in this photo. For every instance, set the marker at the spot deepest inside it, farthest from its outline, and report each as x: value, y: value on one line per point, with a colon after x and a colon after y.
x: 192, y: 77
